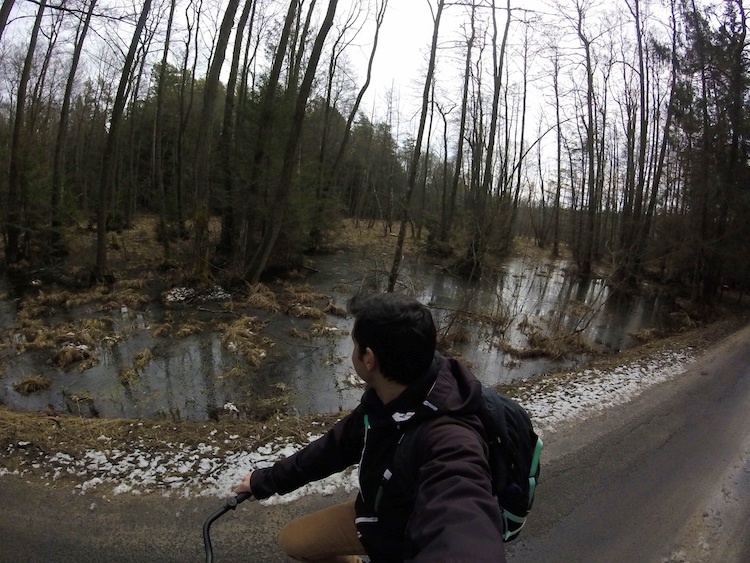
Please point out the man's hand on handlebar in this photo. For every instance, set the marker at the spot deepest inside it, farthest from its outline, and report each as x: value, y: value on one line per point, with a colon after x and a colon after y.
x: 245, y: 486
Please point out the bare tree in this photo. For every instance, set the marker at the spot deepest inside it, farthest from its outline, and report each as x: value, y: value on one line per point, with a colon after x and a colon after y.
x: 18, y: 150
x: 482, y: 220
x: 266, y: 114
x: 228, y: 238
x: 4, y: 13
x: 328, y: 179
x: 281, y: 195
x: 108, y: 169
x: 62, y: 130
x: 414, y: 163
x: 201, y: 172
x: 186, y: 97
x: 586, y: 251
x: 448, y: 216
x: 158, y: 128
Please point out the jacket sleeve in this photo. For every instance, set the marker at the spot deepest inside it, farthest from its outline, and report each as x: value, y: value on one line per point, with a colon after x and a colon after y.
x: 336, y: 450
x: 455, y: 517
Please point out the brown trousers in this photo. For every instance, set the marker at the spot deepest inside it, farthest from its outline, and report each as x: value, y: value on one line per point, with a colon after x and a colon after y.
x: 327, y: 536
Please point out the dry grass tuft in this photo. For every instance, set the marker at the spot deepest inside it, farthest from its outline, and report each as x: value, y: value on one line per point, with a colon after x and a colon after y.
x: 335, y: 310
x: 305, y: 312
x: 647, y: 334
x: 189, y: 328
x: 29, y: 311
x: 237, y: 372
x: 263, y: 298
x: 128, y: 298
x: 128, y: 377
x: 70, y: 354
x: 296, y: 333
x: 142, y: 359
x: 54, y: 297
x: 556, y: 346
x: 89, y: 332
x: 36, y: 335
x: 162, y: 329
x: 243, y: 337
x: 33, y: 384
x: 86, y: 332
x: 141, y: 282
x: 302, y: 294
x: 322, y: 328
x: 85, y: 398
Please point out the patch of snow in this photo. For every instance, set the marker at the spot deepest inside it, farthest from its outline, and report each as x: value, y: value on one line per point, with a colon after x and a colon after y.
x: 178, y: 294
x: 122, y: 488
x: 217, y: 293
x: 595, y: 390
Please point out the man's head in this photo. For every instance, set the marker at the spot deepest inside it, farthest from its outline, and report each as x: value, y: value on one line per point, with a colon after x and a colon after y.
x: 400, y: 332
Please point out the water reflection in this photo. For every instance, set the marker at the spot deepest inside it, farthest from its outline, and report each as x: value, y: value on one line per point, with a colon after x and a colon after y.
x: 527, y: 296
x: 189, y: 378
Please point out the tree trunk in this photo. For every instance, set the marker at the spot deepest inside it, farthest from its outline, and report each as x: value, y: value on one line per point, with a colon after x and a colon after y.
x: 447, y: 222
x: 4, y: 13
x: 558, y: 124
x: 281, y: 195
x: 58, y: 166
x: 202, y: 161
x: 18, y: 149
x: 228, y: 239
x: 101, y: 269
x: 586, y: 250
x: 414, y: 164
x: 186, y: 95
x: 158, y: 125
x: 265, y: 123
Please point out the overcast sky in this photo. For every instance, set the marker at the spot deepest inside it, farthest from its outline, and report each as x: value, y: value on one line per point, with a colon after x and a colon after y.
x: 402, y: 56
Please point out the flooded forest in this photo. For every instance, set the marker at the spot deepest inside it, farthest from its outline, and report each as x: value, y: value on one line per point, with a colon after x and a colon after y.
x: 191, y: 192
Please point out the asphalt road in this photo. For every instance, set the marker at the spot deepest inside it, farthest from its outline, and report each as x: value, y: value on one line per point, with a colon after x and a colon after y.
x: 665, y: 478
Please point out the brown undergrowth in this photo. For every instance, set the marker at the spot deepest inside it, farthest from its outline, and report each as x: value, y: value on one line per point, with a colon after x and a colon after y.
x: 50, y: 433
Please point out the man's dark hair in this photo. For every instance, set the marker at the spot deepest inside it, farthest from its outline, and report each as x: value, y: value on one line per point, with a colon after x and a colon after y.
x: 398, y: 329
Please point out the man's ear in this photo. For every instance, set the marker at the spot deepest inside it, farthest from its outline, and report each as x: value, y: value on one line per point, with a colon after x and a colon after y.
x: 370, y: 360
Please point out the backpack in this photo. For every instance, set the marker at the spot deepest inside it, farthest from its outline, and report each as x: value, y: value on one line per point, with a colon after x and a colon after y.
x: 514, y: 452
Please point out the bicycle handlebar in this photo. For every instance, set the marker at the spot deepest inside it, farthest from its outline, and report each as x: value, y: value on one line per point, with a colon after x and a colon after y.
x: 230, y: 504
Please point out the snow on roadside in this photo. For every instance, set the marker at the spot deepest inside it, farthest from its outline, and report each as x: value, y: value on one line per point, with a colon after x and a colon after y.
x: 211, y: 470
x: 593, y: 390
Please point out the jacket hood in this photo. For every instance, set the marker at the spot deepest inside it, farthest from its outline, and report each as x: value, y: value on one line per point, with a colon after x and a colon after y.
x: 447, y: 388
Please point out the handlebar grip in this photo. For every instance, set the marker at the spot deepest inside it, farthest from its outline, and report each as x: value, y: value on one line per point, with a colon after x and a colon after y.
x: 242, y: 497
x: 232, y: 502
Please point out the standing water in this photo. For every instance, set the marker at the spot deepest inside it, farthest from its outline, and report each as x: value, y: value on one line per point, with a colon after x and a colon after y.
x: 496, y: 326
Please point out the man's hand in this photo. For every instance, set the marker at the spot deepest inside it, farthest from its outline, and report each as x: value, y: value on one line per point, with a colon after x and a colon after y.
x: 245, y: 486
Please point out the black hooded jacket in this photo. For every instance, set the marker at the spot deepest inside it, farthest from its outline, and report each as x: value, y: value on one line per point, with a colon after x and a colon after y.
x: 451, y: 515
